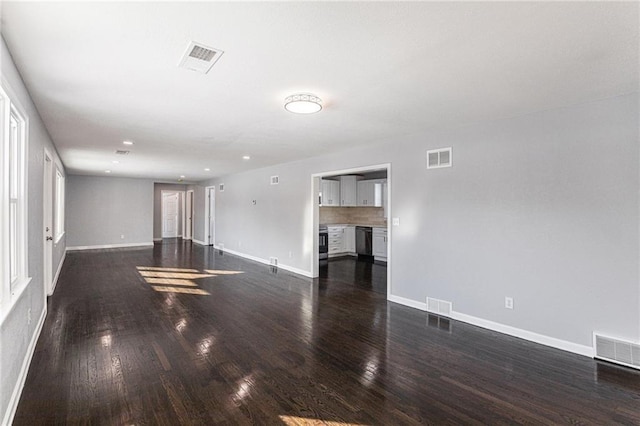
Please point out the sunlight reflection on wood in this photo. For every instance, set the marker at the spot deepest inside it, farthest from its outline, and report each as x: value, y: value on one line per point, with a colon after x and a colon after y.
x: 171, y: 281
x: 186, y: 276
x: 301, y: 421
x: 181, y: 290
x: 155, y: 268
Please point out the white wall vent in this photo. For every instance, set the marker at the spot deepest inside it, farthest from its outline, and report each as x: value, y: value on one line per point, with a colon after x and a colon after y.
x: 618, y: 351
x: 275, y: 180
x: 199, y: 57
x: 440, y: 307
x: 438, y: 158
x: 273, y: 261
x: 220, y: 246
x: 122, y: 152
x: 221, y: 187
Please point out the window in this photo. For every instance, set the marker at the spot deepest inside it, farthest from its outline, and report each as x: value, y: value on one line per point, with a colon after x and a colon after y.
x: 13, y: 201
x: 59, y: 226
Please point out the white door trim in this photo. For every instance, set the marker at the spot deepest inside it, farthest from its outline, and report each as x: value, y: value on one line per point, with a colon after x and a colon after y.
x: 188, y: 216
x: 47, y: 218
x: 210, y: 231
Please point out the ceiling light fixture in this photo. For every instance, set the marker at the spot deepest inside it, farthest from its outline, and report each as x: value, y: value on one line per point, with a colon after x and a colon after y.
x: 127, y: 142
x: 246, y: 157
x: 107, y: 171
x: 303, y: 103
x: 115, y: 162
x: 207, y: 169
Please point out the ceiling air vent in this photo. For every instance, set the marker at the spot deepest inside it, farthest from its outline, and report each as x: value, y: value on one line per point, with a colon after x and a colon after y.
x: 438, y: 158
x: 275, y: 180
x: 199, y: 57
x: 122, y: 152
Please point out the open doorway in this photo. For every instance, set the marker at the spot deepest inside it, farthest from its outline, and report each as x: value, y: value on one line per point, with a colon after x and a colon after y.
x: 188, y: 213
x: 210, y: 215
x: 351, y: 215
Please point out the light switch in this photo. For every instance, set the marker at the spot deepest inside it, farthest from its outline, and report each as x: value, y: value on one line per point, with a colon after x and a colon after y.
x: 396, y: 221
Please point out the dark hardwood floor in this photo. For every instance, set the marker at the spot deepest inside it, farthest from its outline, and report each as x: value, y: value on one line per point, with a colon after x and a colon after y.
x: 180, y: 334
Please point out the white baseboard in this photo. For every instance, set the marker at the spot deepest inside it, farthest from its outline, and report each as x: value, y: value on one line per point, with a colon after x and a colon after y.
x: 108, y: 246
x: 57, y: 275
x: 22, y: 376
x: 504, y: 329
x: 157, y: 240
x: 407, y: 302
x: 266, y: 262
x: 202, y: 243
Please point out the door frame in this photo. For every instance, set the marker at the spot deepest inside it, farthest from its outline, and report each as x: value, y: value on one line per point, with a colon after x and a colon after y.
x: 179, y: 226
x: 210, y: 231
x: 188, y: 216
x: 315, y: 213
x: 47, y: 218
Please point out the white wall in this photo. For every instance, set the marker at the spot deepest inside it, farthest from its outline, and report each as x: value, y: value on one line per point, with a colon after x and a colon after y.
x: 542, y: 208
x: 102, y: 209
x: 16, y: 335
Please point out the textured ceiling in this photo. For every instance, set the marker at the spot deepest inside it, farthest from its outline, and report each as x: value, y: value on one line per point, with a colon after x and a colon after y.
x: 100, y: 73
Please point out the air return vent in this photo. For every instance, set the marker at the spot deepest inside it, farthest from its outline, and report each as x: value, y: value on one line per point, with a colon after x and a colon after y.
x: 275, y: 180
x: 199, y: 57
x: 440, y: 307
x: 122, y: 152
x: 618, y: 351
x: 438, y: 158
x: 221, y: 187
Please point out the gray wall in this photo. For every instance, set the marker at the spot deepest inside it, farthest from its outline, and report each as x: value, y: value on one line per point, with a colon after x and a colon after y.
x: 157, y: 207
x: 542, y: 208
x: 101, y: 209
x: 15, y: 333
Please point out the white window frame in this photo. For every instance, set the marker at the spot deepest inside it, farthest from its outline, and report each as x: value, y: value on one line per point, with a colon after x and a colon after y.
x: 12, y: 287
x: 59, y: 206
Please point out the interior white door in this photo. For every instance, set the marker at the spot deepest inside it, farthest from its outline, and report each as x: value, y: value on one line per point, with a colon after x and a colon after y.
x: 47, y: 214
x: 189, y: 216
x: 170, y: 215
x: 211, y: 197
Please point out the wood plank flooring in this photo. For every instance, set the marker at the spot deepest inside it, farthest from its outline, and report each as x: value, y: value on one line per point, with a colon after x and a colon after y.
x: 263, y: 346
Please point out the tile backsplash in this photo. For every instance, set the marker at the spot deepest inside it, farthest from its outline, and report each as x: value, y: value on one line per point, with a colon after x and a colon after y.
x: 352, y: 215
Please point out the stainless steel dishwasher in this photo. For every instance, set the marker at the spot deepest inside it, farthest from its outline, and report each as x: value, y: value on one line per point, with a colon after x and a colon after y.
x: 363, y: 240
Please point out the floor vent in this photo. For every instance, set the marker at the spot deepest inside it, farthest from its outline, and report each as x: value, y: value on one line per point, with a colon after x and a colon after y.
x: 440, y: 307
x: 618, y: 351
x: 273, y: 261
x: 199, y: 58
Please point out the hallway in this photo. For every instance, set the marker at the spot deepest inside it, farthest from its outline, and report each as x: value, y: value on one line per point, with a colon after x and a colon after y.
x: 182, y: 334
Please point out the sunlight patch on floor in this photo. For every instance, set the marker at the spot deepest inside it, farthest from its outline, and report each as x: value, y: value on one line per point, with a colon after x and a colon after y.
x: 303, y: 421
x: 179, y: 280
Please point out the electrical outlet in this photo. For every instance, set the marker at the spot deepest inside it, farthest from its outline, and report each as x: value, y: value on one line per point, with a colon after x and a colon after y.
x: 395, y: 221
x: 239, y: 243
x: 290, y: 254
x: 122, y: 236
x: 508, y: 302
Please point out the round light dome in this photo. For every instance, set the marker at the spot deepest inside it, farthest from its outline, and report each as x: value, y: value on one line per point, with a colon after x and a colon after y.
x: 303, y: 103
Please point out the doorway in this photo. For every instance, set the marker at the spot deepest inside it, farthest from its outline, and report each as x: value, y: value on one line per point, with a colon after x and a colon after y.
x: 210, y: 215
x: 170, y: 214
x: 47, y: 217
x: 375, y: 181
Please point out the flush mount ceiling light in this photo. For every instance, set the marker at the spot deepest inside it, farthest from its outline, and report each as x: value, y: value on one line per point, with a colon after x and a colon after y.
x: 303, y: 103
x: 127, y: 142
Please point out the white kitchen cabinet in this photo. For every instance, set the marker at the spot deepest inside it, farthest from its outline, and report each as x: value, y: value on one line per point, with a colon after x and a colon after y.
x: 349, y: 240
x: 336, y: 244
x: 348, y: 191
x: 330, y: 192
x: 379, y: 244
x: 366, y: 193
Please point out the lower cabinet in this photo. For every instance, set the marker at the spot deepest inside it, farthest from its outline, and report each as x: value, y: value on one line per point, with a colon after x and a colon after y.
x: 379, y: 244
x: 342, y: 240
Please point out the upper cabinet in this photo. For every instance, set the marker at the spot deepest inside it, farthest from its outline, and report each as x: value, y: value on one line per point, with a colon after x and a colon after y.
x: 348, y: 191
x: 366, y: 193
x: 330, y: 192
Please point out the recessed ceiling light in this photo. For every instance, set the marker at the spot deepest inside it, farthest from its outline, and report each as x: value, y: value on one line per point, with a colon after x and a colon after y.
x: 207, y: 169
x: 115, y: 162
x: 303, y: 103
x: 181, y: 176
x: 246, y: 157
x: 127, y: 142
x: 107, y: 171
